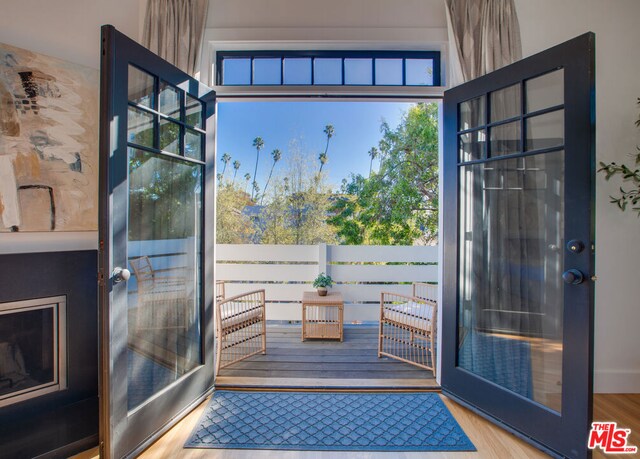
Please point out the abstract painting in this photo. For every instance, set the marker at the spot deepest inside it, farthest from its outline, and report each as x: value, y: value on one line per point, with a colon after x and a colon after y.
x: 48, y: 143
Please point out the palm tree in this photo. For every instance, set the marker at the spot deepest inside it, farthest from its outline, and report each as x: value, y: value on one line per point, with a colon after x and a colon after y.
x: 373, y: 153
x: 328, y: 130
x: 323, y: 160
x: 236, y: 166
x: 258, y: 143
x: 276, y: 155
x: 247, y: 177
x: 225, y: 159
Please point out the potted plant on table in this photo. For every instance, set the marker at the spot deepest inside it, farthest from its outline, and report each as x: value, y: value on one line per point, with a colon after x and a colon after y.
x: 322, y: 283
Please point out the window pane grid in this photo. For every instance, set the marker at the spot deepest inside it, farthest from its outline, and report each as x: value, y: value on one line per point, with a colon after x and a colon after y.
x: 328, y: 68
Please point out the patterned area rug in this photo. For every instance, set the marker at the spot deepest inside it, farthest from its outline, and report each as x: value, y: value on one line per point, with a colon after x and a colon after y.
x: 307, y: 421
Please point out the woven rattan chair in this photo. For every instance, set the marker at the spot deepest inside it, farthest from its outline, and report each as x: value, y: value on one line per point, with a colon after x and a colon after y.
x: 240, y: 328
x: 220, y: 291
x: 408, y: 326
x: 163, y: 300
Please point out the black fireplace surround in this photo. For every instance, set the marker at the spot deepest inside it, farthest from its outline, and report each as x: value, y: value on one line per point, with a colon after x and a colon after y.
x: 61, y: 423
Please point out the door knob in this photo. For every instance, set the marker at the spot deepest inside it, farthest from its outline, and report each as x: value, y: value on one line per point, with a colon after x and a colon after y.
x: 573, y: 276
x: 120, y: 274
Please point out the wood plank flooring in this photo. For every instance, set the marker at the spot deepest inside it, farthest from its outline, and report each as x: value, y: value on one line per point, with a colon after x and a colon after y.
x: 289, y: 362
x: 491, y: 441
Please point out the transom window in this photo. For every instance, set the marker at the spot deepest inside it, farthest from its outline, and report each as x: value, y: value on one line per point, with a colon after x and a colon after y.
x: 328, y: 68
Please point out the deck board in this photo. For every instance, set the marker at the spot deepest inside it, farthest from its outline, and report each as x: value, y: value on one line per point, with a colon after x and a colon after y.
x: 289, y: 362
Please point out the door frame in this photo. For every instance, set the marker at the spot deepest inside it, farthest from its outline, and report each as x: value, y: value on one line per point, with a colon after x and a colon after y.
x: 496, y: 404
x: 113, y: 145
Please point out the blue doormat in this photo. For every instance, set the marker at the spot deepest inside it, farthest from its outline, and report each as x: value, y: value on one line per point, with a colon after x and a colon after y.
x: 307, y: 421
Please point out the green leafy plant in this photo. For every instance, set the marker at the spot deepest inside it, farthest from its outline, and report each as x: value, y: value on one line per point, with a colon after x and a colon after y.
x: 323, y: 281
x: 629, y: 175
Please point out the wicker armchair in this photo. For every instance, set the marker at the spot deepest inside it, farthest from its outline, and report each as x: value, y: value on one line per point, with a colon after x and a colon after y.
x: 220, y: 291
x: 240, y: 328
x: 163, y: 300
x: 408, y: 326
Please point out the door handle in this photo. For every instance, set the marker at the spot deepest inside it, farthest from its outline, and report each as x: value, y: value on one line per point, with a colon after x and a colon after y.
x: 573, y: 276
x: 120, y: 274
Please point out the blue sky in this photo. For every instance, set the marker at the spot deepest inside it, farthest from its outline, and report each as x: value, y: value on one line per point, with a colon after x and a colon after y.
x: 356, y: 124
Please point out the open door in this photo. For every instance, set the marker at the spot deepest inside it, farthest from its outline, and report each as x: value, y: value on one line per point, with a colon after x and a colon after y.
x: 156, y: 259
x: 519, y: 246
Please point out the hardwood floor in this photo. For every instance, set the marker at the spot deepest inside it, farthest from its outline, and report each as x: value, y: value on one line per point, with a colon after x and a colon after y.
x: 491, y: 441
x: 324, y: 363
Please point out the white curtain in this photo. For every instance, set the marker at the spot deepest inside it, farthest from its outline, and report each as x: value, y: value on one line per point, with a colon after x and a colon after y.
x: 484, y: 35
x: 174, y: 29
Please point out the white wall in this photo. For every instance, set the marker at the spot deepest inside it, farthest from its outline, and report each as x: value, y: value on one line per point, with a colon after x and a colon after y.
x: 544, y: 23
x: 70, y: 30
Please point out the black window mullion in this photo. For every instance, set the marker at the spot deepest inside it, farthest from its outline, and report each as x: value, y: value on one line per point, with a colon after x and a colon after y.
x: 313, y: 71
x: 343, y: 70
x: 487, y: 130
x: 281, y: 71
x: 404, y: 77
x: 156, y: 116
x: 373, y: 72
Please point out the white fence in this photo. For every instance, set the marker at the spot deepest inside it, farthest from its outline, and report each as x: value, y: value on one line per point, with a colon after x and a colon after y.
x: 359, y: 272
x: 285, y: 271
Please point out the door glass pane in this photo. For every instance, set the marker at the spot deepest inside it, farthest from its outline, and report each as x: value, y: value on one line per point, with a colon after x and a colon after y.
x: 506, y: 103
x: 141, y: 127
x: 141, y: 87
x: 389, y: 72
x: 193, y: 145
x: 472, y: 113
x: 297, y: 70
x: 170, y: 136
x: 164, y: 243
x: 236, y: 71
x: 358, y: 71
x: 545, y: 91
x: 419, y: 72
x: 327, y: 71
x: 170, y: 99
x: 505, y: 139
x: 267, y: 71
x: 510, y: 274
x: 472, y: 146
x: 545, y: 131
x: 193, y: 112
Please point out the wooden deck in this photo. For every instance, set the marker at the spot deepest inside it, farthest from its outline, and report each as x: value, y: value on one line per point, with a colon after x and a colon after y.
x: 353, y: 363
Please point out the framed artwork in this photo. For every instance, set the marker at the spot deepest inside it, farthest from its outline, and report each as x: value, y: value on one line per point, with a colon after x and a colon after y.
x: 49, y: 111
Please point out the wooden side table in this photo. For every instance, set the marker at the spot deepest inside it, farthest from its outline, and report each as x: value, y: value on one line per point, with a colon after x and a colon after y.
x: 322, y: 316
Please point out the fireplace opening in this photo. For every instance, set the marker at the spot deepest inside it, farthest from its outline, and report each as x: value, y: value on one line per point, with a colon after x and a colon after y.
x: 33, y: 352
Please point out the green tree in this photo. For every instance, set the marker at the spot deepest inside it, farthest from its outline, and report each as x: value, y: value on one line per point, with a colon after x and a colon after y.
x: 258, y: 144
x: 373, y: 153
x: 398, y: 204
x: 225, y: 159
x: 232, y: 226
x: 236, y: 166
x: 247, y: 178
x: 276, y: 155
x: 328, y: 131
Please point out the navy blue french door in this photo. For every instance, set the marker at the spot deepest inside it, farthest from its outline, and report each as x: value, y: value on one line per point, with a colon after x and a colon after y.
x: 518, y: 241
x: 156, y: 260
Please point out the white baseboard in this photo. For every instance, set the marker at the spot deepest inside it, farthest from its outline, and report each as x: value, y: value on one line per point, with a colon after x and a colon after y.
x: 617, y: 381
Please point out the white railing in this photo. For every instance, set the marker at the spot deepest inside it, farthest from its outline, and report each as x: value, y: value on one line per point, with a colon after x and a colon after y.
x: 359, y: 272
x: 285, y: 271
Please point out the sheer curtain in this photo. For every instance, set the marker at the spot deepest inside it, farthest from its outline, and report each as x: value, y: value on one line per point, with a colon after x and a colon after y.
x: 173, y: 29
x: 484, y: 35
